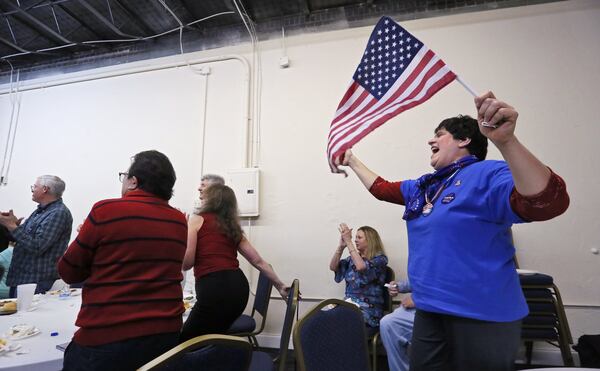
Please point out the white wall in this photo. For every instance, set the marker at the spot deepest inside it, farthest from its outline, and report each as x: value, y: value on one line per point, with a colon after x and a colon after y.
x: 542, y: 59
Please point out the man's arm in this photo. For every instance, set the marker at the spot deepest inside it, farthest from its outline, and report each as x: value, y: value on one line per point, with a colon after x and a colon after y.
x: 407, y: 302
x: 75, y: 265
x: 9, y: 220
x: 45, y: 235
x: 398, y: 287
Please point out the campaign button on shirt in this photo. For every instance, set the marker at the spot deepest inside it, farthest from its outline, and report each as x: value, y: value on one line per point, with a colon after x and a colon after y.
x: 448, y: 198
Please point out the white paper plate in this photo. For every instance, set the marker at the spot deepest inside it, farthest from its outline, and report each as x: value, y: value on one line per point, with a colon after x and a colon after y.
x: 21, y: 331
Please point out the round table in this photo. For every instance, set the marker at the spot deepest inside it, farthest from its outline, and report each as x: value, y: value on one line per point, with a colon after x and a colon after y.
x: 51, y: 315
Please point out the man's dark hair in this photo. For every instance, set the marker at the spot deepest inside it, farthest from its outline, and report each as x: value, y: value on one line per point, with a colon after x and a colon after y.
x: 154, y: 173
x: 463, y: 127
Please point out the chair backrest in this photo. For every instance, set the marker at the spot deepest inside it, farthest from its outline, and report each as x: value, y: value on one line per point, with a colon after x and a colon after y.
x: 543, y: 298
x: 387, y: 299
x: 262, y: 298
x: 547, y: 319
x: 288, y: 321
x: 219, y: 352
x: 332, y: 336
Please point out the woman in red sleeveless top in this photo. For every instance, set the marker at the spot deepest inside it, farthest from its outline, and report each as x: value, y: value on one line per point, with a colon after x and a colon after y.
x: 214, y: 239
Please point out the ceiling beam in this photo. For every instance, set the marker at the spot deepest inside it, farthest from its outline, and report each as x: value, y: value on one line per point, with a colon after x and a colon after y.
x: 191, y: 14
x: 105, y: 21
x: 37, y: 25
x: 78, y: 20
x: 14, y: 46
x: 139, y: 22
x: 39, y: 4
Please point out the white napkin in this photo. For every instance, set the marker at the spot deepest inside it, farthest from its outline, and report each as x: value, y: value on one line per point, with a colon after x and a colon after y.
x: 21, y: 331
x: 6, y: 346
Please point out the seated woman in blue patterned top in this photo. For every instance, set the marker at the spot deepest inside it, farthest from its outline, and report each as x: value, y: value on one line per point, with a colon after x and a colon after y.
x: 363, y: 270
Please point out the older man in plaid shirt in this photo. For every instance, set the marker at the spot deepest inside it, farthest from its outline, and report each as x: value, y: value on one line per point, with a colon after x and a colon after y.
x: 42, y: 239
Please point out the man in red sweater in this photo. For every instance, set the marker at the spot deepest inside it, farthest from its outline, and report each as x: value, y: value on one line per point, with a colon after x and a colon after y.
x: 129, y: 252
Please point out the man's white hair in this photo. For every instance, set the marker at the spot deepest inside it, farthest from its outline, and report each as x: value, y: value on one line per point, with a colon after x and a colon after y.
x: 56, y: 186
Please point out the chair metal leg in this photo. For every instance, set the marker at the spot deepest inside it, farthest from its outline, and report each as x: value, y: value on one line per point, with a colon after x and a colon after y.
x: 374, y: 351
x: 561, y: 325
x: 252, y: 339
x: 565, y: 351
x: 375, y: 359
x: 564, y: 332
x: 528, y: 351
x: 563, y: 315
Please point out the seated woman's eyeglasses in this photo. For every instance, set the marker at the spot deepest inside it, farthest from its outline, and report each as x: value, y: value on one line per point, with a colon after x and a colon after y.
x: 122, y: 176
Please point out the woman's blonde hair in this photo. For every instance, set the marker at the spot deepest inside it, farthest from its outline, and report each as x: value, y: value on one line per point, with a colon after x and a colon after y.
x: 373, y: 242
x: 220, y: 200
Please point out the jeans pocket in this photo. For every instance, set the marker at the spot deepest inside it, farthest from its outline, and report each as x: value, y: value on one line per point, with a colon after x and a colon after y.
x: 80, y: 358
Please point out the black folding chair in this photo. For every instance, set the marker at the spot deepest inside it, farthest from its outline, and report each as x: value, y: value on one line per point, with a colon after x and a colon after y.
x: 207, y: 352
x: 262, y: 361
x: 245, y: 325
x: 547, y: 320
x: 332, y: 337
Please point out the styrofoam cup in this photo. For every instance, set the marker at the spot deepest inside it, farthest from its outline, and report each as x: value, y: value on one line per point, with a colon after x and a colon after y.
x: 25, y: 296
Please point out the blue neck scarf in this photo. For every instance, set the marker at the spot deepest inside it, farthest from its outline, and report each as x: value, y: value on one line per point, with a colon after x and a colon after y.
x: 430, y: 183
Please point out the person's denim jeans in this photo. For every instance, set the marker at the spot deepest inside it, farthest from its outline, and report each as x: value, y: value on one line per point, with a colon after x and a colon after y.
x: 123, y: 355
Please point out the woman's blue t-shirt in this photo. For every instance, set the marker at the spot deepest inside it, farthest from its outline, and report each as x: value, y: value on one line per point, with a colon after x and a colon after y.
x: 461, y: 254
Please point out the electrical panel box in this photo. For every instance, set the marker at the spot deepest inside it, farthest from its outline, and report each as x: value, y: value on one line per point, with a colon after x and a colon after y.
x: 245, y: 184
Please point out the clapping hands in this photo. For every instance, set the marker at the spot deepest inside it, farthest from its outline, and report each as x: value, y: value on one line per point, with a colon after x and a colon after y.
x: 345, y: 235
x: 9, y: 220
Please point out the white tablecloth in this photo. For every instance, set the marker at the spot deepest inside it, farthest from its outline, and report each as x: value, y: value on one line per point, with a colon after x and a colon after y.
x: 52, y: 315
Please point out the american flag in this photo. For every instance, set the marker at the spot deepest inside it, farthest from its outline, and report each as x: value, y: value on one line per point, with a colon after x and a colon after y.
x: 396, y: 73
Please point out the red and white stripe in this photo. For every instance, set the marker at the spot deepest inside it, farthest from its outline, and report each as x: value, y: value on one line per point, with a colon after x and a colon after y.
x: 359, y: 112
